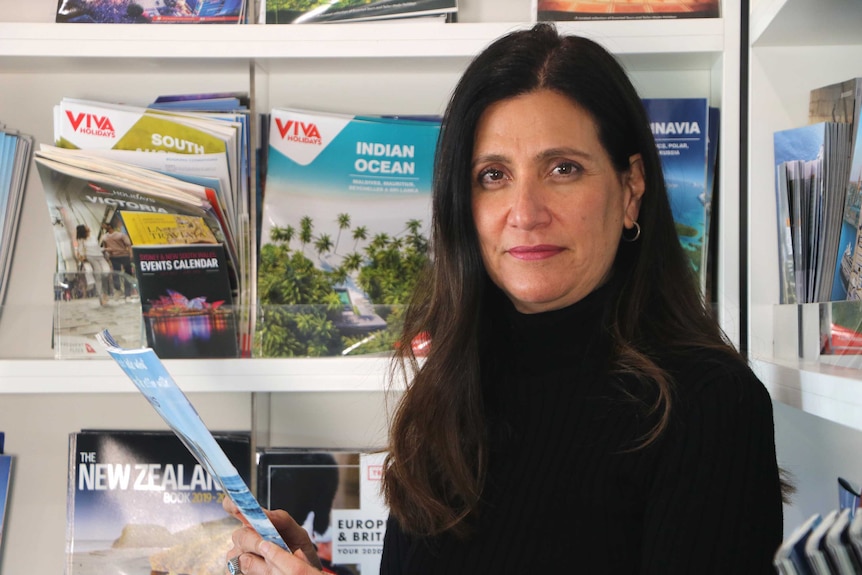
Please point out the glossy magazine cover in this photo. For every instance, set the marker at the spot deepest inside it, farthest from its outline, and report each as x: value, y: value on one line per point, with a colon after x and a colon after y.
x: 305, y: 12
x: 151, y: 11
x: 139, y: 503
x: 186, y: 300
x: 344, y: 233
x: 680, y: 127
x: 625, y: 9
x: 335, y: 495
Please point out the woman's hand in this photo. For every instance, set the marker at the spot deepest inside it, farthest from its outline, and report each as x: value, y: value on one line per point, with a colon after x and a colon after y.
x: 259, y: 557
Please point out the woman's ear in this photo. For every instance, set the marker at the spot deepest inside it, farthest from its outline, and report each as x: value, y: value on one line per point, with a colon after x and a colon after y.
x: 634, y: 184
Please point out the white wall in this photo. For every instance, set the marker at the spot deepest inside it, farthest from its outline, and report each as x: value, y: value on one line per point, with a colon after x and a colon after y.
x: 816, y: 452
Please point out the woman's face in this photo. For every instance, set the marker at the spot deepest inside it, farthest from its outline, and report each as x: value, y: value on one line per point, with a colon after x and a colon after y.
x: 548, y: 205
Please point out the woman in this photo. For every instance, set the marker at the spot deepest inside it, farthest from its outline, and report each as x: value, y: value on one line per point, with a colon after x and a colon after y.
x: 579, y: 410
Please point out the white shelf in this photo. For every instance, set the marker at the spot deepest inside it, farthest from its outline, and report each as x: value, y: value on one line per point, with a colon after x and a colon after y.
x: 217, y: 375
x: 320, y: 41
x: 830, y: 392
x: 805, y: 22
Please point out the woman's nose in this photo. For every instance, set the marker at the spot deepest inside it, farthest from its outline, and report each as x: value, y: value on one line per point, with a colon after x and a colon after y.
x: 528, y: 209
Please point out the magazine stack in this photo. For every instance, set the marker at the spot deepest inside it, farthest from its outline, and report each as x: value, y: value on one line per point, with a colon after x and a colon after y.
x: 110, y: 199
x: 324, y: 11
x: 828, y: 544
x: 15, y: 153
x: 818, y: 172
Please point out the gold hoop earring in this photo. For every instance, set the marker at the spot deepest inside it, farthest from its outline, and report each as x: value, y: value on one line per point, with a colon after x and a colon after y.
x: 634, y: 238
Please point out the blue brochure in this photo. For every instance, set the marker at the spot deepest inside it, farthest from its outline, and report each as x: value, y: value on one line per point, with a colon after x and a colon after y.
x: 149, y: 375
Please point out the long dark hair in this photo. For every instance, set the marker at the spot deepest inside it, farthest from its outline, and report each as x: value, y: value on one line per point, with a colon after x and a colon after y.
x: 436, y: 463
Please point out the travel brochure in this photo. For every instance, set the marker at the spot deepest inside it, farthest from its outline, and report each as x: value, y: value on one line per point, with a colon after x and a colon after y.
x: 682, y: 128
x: 818, y: 170
x: 625, y: 9
x: 323, y: 11
x: 15, y: 153
x: 186, y: 300
x: 151, y: 11
x: 811, y: 171
x: 175, y: 172
x: 335, y: 494
x: 153, y: 380
x: 344, y: 232
x: 238, y: 12
x: 139, y: 503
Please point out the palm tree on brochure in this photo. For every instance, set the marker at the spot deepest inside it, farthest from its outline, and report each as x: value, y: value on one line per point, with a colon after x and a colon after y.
x: 343, y: 224
x: 352, y: 262
x: 359, y: 233
x: 306, y: 226
x: 282, y: 234
x: 323, y: 244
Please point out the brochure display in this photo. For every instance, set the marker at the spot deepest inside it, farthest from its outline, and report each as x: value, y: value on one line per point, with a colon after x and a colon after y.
x: 811, y: 171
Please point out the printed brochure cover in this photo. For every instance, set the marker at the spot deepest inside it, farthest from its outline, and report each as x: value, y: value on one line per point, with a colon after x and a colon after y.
x: 80, y: 204
x: 316, y: 11
x: 680, y: 128
x: 138, y: 503
x: 5, y: 486
x: 335, y: 495
x: 153, y: 380
x: 153, y: 228
x: 15, y: 154
x: 186, y: 300
x: 151, y: 11
x: 99, y: 125
x: 625, y: 9
x: 344, y: 234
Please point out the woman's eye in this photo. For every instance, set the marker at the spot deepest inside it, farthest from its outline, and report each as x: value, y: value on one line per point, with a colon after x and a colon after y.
x: 565, y: 169
x: 490, y: 175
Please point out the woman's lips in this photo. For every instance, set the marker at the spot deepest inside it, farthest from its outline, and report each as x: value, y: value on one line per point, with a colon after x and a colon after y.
x: 539, y: 252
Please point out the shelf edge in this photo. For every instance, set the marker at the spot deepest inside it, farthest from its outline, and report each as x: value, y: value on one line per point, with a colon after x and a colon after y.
x: 829, y: 392
x: 217, y: 375
x: 51, y: 40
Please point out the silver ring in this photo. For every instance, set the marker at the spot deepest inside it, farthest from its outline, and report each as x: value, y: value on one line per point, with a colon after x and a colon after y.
x: 233, y: 566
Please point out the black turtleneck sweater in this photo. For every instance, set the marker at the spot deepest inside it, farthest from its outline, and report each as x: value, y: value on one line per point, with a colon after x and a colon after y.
x: 569, y: 492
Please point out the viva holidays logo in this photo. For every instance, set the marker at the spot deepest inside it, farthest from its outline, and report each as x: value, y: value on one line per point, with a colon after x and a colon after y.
x: 299, y: 132
x: 91, y: 124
